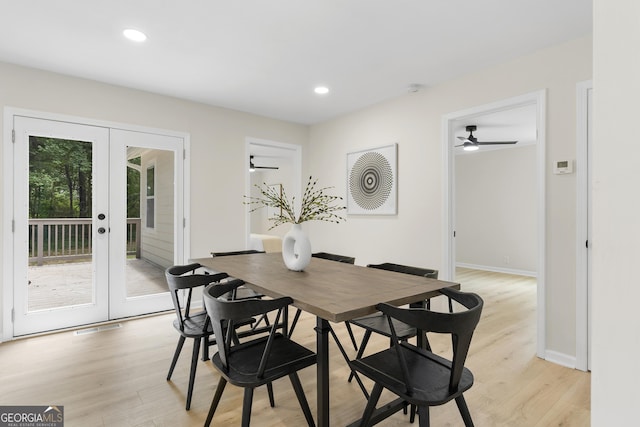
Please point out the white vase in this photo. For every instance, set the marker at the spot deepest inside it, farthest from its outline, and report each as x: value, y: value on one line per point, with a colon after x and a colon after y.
x: 296, y: 249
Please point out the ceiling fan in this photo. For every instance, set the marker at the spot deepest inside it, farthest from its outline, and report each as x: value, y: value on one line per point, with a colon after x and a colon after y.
x: 253, y: 167
x: 471, y: 143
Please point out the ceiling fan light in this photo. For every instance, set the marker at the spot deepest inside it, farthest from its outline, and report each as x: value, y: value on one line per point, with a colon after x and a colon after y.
x: 470, y: 147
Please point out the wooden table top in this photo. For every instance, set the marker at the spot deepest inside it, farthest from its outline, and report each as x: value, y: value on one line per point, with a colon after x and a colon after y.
x: 331, y: 290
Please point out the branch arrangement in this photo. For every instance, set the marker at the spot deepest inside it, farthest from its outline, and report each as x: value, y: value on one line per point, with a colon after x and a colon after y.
x: 316, y: 205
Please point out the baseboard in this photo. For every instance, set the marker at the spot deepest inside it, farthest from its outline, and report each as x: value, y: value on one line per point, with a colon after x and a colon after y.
x: 560, y: 359
x: 498, y: 269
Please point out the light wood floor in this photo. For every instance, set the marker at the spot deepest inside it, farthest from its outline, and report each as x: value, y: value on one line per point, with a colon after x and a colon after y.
x: 117, y: 377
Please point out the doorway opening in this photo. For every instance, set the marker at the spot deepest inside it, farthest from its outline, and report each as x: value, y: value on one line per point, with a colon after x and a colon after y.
x: 274, y: 164
x: 450, y: 125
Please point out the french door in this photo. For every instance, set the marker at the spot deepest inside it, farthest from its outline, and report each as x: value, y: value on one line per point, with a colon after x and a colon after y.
x: 97, y: 218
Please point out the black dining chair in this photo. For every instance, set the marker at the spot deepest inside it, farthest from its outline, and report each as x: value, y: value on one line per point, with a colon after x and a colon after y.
x: 258, y: 361
x: 189, y: 323
x: 416, y: 375
x: 244, y: 292
x: 334, y: 257
x: 377, y: 323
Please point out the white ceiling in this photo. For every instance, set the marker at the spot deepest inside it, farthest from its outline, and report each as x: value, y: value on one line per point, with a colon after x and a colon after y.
x: 265, y: 57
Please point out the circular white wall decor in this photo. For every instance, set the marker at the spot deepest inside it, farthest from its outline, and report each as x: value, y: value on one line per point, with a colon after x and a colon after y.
x: 372, y: 181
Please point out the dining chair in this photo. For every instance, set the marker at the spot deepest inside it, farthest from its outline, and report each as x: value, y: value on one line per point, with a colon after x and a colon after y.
x: 377, y: 323
x: 334, y: 257
x: 258, y: 361
x: 419, y: 376
x: 189, y: 323
x: 244, y: 292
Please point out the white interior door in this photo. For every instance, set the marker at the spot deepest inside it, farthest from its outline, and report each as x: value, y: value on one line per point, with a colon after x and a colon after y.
x: 54, y: 160
x: 99, y: 215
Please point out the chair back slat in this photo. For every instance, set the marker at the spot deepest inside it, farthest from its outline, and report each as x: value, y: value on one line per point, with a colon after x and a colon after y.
x: 267, y: 348
x: 395, y: 342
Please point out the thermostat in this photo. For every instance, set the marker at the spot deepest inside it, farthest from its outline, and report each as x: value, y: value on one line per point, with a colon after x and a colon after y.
x: 561, y: 167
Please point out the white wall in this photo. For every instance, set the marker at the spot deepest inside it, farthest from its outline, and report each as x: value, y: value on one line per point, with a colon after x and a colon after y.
x: 496, y: 209
x: 616, y: 214
x: 217, y: 137
x: 413, y: 121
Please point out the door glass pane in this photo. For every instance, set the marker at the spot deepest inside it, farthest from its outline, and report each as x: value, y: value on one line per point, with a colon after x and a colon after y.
x: 150, y: 219
x: 60, y: 223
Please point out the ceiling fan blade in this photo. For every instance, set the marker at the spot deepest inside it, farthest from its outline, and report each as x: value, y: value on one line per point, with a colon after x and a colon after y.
x: 463, y: 138
x: 495, y: 142
x: 266, y: 167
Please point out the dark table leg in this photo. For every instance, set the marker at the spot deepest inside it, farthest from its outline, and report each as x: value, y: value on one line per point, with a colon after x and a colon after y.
x: 322, y: 331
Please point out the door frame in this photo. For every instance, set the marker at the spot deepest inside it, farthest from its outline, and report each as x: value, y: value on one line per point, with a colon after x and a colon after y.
x: 6, y: 332
x: 448, y: 240
x: 583, y: 226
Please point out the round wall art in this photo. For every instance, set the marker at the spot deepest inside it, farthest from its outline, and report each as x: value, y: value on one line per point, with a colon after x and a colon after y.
x: 372, y: 181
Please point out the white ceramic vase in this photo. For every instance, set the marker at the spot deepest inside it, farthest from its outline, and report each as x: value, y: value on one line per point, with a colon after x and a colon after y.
x: 296, y: 249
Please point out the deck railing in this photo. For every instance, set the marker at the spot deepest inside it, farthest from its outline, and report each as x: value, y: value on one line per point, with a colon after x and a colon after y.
x: 66, y: 239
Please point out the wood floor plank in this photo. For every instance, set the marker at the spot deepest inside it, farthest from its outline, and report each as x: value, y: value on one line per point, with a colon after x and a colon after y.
x: 116, y: 378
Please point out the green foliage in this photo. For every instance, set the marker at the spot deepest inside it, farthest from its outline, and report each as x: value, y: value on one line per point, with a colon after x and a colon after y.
x: 316, y: 205
x: 133, y: 190
x: 59, y: 178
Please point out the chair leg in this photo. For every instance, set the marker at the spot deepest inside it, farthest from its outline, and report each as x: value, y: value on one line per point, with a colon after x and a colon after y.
x: 175, y: 356
x: 297, y: 387
x: 412, y: 414
x: 215, y: 401
x: 363, y: 344
x: 371, y: 405
x: 192, y: 374
x: 464, y: 411
x: 294, y: 322
x: 272, y: 401
x: 353, y: 338
x: 205, y: 349
x: 423, y: 416
x: 246, y: 406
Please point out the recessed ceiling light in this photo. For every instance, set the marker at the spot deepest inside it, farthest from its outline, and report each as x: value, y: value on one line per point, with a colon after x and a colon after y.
x: 134, y: 35
x: 321, y: 90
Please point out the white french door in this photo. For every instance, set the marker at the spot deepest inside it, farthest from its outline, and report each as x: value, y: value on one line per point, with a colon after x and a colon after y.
x: 97, y: 217
x: 137, y: 285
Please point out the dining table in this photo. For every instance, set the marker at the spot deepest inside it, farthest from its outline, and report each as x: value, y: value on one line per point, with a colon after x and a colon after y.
x: 332, y: 291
